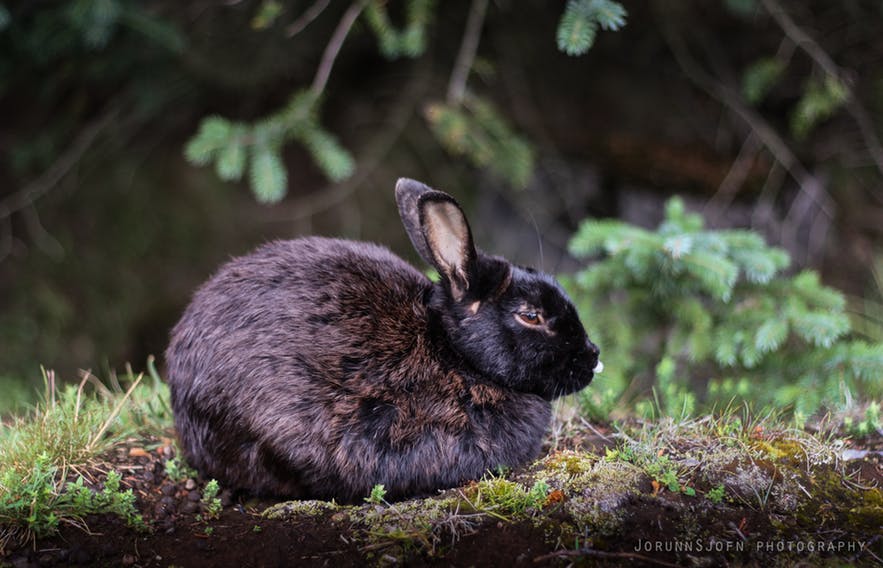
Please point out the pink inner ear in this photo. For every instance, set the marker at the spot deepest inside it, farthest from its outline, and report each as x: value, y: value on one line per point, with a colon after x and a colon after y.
x: 447, y: 233
x: 447, y: 236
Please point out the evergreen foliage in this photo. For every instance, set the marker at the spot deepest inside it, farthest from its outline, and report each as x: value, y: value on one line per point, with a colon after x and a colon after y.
x: 820, y: 100
x: 476, y: 130
x: 266, y: 15
x: 760, y: 77
x: 697, y: 308
x: 471, y: 127
x: 229, y: 145
x: 744, y: 8
x: 411, y: 40
x: 580, y: 21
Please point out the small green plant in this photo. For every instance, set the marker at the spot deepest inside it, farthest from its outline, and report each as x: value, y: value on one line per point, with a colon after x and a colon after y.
x: 378, y: 493
x: 35, y: 500
x: 716, y: 495
x: 684, y: 310
x: 211, y: 503
x: 538, y: 494
x: 81, y: 500
x: 177, y: 469
x: 67, y: 428
x: 208, y: 531
x: 658, y: 466
x: 28, y: 497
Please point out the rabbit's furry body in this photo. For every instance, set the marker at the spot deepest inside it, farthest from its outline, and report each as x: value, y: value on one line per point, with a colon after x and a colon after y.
x: 320, y: 367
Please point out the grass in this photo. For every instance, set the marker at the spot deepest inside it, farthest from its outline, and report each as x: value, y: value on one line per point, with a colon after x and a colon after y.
x: 63, y: 433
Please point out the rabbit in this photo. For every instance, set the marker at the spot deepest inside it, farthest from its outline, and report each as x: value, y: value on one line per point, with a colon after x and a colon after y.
x: 320, y: 367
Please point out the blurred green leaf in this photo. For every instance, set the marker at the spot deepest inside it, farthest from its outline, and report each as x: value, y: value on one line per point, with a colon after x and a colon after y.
x: 744, y: 8
x: 213, y: 135
x: 820, y: 101
x: 5, y: 18
x: 96, y: 20
x: 411, y: 40
x: 760, y: 77
x: 576, y: 31
x: 267, y: 175
x: 331, y: 157
x: 771, y: 335
x: 579, y: 23
x: 478, y: 132
x: 231, y: 160
x: 267, y: 14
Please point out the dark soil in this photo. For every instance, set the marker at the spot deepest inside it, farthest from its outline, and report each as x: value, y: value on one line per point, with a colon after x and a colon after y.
x: 179, y: 535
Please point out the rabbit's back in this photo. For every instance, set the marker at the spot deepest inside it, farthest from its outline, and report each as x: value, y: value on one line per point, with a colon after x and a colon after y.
x: 261, y: 343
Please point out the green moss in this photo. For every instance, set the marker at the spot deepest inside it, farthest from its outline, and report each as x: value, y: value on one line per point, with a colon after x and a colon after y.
x: 291, y: 509
x: 866, y: 516
x: 782, y: 449
x: 422, y: 526
x: 595, y: 497
x: 568, y: 462
x: 504, y: 498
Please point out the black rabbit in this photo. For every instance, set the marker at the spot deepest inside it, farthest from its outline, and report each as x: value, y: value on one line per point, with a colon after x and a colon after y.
x: 320, y: 367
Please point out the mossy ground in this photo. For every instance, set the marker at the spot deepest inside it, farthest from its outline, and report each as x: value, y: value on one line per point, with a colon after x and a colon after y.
x: 666, y: 491
x: 692, y: 492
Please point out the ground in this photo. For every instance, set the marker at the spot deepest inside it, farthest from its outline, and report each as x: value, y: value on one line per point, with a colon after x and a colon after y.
x: 701, y: 493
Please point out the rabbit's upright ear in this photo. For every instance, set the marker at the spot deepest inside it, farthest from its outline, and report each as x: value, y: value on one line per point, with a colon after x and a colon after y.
x: 438, y: 229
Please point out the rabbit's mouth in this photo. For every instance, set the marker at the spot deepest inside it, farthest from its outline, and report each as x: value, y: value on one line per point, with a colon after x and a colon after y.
x: 574, y: 376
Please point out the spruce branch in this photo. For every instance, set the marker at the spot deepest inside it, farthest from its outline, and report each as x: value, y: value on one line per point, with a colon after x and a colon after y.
x: 466, y: 55
x: 374, y: 151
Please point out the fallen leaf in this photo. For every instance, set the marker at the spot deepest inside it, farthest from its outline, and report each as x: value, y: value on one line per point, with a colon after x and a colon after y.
x: 556, y: 496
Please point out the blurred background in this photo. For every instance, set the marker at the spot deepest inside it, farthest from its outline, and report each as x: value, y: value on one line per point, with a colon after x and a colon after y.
x: 146, y: 142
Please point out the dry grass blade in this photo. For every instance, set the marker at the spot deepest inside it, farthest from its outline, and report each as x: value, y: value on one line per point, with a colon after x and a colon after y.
x: 114, y: 413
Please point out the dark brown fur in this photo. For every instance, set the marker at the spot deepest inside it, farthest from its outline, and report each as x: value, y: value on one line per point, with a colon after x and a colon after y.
x: 321, y: 367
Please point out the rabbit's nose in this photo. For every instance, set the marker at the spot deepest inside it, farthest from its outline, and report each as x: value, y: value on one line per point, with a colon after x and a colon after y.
x: 596, y: 352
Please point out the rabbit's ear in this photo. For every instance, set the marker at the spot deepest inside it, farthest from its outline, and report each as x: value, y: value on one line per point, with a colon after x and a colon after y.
x: 439, y: 231
x: 408, y: 193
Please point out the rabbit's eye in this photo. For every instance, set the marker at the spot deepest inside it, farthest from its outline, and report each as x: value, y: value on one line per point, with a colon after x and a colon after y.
x: 529, y: 318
